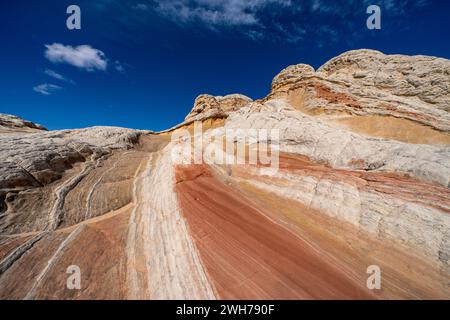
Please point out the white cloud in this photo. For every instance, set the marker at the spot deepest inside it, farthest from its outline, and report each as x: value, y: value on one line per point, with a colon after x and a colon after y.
x: 141, y: 6
x: 46, y: 89
x: 315, y: 5
x: 119, y: 66
x: 56, y: 75
x: 83, y: 57
x: 289, y: 21
x: 217, y: 12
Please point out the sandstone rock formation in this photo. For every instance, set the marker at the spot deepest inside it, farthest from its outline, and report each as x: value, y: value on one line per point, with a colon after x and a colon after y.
x: 363, y: 179
x: 10, y: 123
x: 207, y: 106
x: 390, y: 96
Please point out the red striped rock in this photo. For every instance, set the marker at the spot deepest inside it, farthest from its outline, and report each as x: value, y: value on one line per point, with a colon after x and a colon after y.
x: 362, y: 181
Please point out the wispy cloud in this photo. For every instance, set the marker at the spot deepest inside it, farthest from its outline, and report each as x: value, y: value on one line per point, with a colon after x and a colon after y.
x: 58, y: 76
x: 217, y: 13
x: 392, y: 7
x: 119, y: 66
x: 83, y: 57
x: 141, y: 6
x: 311, y: 22
x: 46, y: 89
x: 283, y: 20
x: 54, y: 74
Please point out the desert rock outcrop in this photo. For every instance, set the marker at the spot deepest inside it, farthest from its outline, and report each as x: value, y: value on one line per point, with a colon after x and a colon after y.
x: 10, y: 123
x: 207, y: 106
x: 363, y: 179
x: 391, y: 96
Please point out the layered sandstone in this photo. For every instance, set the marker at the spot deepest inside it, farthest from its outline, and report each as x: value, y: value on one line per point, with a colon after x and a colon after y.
x: 390, y: 96
x: 207, y: 106
x: 10, y: 123
x: 363, y: 179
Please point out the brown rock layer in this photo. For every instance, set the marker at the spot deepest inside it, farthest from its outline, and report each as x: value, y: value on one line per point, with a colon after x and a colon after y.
x: 278, y: 264
x: 362, y: 180
x: 411, y: 94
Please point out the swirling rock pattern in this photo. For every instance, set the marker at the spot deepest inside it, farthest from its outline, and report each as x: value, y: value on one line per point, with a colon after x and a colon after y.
x: 363, y: 179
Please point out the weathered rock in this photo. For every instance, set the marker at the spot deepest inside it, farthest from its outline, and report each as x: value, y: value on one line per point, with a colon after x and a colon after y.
x: 16, y: 124
x: 38, y: 159
x: 340, y: 148
x: 42, y: 156
x: 390, y: 96
x: 207, y: 106
x: 362, y: 180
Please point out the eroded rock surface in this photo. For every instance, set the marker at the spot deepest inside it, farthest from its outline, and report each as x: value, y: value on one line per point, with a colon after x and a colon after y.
x: 363, y: 179
x: 207, y: 106
x: 10, y: 123
x: 391, y: 96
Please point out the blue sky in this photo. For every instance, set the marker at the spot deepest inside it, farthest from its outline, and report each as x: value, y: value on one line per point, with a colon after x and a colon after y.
x: 141, y: 63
